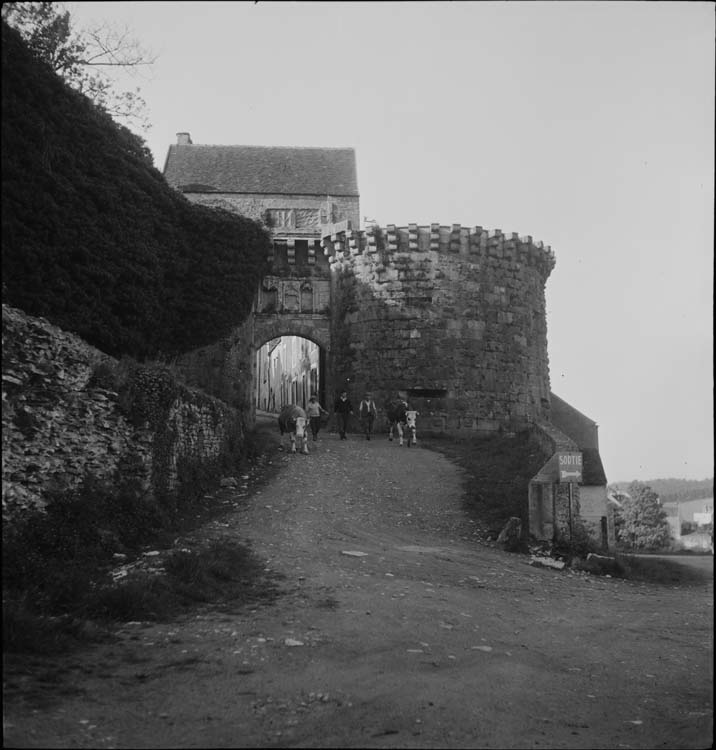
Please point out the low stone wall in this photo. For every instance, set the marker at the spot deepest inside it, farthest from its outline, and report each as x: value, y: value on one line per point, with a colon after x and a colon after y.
x: 70, y: 412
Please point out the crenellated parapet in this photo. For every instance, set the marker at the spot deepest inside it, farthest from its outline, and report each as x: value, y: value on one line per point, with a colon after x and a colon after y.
x: 453, y: 316
x: 341, y: 243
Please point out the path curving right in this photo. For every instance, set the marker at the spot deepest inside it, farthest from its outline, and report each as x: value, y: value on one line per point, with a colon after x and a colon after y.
x: 398, y: 628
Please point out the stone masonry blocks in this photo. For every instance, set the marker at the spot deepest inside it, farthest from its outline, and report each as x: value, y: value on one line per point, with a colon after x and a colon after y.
x: 453, y: 312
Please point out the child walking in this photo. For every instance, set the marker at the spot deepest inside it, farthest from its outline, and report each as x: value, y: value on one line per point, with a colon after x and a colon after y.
x: 313, y: 412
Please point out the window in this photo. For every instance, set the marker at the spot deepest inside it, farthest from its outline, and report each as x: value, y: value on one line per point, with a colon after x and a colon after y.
x: 281, y: 218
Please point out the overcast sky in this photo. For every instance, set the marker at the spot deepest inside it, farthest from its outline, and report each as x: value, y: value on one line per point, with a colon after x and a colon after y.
x: 589, y: 126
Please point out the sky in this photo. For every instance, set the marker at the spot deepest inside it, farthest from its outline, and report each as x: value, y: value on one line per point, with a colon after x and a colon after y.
x: 589, y: 126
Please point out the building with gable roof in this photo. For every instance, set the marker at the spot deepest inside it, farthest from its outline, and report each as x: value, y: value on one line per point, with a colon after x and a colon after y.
x: 573, y: 431
x: 293, y: 190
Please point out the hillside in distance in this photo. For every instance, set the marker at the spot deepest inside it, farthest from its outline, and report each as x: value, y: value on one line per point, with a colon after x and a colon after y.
x: 676, y: 490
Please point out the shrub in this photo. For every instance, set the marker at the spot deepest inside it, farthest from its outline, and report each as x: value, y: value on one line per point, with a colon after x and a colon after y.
x: 24, y: 631
x: 93, y: 237
x: 658, y: 570
x: 56, y: 556
x: 577, y: 544
x: 146, y: 597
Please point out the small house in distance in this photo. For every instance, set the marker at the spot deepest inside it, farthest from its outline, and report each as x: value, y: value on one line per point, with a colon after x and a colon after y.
x: 552, y: 509
x: 690, y: 523
x: 594, y: 506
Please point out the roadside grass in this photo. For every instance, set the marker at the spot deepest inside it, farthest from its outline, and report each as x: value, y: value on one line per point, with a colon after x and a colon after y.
x: 224, y: 571
x: 58, y: 590
x: 657, y: 570
x: 499, y: 470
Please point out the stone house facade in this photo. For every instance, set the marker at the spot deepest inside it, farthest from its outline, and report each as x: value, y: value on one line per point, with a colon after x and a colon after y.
x: 294, y: 191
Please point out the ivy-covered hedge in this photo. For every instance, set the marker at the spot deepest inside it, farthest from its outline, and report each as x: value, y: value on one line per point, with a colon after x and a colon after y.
x: 93, y: 238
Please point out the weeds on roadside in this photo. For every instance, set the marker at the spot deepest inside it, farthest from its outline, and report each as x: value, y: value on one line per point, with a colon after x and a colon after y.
x: 54, y: 556
x: 56, y: 567
x: 657, y: 570
x: 576, y: 544
x: 25, y: 630
x: 498, y: 473
x: 225, y: 570
x: 498, y: 470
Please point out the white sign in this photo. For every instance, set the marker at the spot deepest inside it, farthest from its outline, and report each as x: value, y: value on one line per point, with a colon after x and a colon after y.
x: 570, y: 467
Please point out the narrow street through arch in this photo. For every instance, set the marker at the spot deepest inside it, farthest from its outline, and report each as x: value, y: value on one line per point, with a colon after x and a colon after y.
x: 288, y: 370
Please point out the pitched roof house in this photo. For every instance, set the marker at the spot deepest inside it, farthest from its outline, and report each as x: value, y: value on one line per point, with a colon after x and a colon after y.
x: 264, y: 170
x: 294, y: 190
x: 584, y: 432
x: 594, y: 506
x: 550, y: 501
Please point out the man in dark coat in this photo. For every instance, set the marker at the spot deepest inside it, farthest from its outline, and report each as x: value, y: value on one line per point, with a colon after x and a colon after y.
x: 343, y: 409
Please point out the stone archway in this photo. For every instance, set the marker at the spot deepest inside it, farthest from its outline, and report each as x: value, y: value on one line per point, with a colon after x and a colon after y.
x: 314, y: 328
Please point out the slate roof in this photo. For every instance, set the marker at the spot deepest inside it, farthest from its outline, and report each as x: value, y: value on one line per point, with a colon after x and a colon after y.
x: 593, y: 473
x: 262, y: 169
x: 573, y: 423
x: 583, y: 431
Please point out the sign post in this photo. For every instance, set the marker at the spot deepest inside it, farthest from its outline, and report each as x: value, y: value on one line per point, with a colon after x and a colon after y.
x: 570, y: 467
x: 570, y: 470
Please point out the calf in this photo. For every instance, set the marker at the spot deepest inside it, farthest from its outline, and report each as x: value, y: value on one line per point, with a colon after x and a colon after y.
x: 411, y: 426
x: 401, y: 419
x: 292, y: 420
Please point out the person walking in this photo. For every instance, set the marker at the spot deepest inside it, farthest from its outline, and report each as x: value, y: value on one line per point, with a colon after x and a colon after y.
x: 313, y: 412
x: 343, y: 409
x: 367, y: 413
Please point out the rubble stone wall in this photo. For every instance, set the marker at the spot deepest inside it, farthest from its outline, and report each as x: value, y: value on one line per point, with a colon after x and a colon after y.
x: 63, y: 418
x: 453, y: 312
x: 254, y: 206
x: 225, y: 370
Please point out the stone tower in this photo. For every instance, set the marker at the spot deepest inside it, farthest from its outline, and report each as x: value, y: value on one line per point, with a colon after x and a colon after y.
x: 451, y: 318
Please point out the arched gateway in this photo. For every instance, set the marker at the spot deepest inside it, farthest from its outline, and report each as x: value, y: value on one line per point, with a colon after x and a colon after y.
x: 294, y: 306
x: 452, y: 317
x: 296, y: 192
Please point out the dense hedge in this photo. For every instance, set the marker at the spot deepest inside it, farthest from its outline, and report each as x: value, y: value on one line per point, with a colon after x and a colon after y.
x: 95, y: 240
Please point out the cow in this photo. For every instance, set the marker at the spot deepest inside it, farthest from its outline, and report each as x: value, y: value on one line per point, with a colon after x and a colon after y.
x: 292, y: 419
x: 411, y: 425
x: 401, y: 418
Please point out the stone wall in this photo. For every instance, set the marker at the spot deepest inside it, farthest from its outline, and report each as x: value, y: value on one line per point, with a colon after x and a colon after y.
x: 225, y: 369
x: 454, y: 313
x: 327, y: 209
x: 65, y: 417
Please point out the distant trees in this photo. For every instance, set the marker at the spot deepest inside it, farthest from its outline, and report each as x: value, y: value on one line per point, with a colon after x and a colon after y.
x: 676, y: 490
x: 641, y: 521
x: 83, y: 58
x: 95, y: 240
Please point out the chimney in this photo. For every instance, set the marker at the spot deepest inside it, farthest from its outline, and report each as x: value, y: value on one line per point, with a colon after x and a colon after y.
x: 183, y: 139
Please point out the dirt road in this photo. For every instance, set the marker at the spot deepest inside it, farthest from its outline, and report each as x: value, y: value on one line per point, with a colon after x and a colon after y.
x: 398, y: 628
